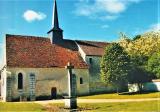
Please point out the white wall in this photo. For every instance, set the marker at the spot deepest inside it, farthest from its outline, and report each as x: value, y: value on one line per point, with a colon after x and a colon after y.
x: 46, y: 78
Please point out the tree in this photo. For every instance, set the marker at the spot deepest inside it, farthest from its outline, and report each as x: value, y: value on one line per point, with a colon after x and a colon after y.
x: 115, y: 65
x: 136, y: 37
x: 144, y: 45
x: 154, y: 64
x: 138, y: 76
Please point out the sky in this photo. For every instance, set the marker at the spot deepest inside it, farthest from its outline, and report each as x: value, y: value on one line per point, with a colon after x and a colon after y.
x: 98, y: 20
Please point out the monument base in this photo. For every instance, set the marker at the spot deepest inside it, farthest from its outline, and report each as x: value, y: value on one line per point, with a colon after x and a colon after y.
x: 71, y: 103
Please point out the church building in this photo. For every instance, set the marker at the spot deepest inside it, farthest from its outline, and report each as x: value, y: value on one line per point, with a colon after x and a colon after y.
x: 34, y: 67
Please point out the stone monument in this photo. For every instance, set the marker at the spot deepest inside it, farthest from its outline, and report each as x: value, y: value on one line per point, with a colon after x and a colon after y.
x: 71, y: 100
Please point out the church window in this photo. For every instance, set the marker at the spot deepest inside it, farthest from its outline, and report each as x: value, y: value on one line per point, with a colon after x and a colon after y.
x: 90, y: 60
x: 20, y: 81
x: 81, y: 80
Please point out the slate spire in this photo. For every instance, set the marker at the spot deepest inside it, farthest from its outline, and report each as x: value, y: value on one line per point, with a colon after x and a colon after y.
x: 55, y: 23
x: 56, y: 33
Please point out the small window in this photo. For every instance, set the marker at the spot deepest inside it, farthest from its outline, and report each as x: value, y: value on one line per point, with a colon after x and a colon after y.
x: 81, y: 80
x: 90, y: 60
x: 20, y: 81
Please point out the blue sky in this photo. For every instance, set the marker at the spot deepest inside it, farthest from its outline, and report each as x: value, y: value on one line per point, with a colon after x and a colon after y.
x: 100, y: 20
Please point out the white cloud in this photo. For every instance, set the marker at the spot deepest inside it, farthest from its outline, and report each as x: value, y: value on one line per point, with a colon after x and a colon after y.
x: 109, y: 17
x: 152, y: 27
x: 111, y: 6
x: 31, y: 15
x: 105, y: 26
x: 107, y: 9
x: 155, y: 27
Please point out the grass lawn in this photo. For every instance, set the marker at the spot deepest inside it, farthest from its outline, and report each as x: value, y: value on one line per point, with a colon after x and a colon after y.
x: 20, y: 107
x: 151, y: 106
x: 124, y: 96
x: 147, y: 106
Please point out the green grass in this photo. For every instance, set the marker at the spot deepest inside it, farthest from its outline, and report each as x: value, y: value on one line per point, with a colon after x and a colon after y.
x: 116, y: 96
x: 147, y: 106
x: 20, y: 107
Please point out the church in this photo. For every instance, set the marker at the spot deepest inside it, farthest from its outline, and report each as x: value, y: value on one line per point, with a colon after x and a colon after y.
x: 34, y: 67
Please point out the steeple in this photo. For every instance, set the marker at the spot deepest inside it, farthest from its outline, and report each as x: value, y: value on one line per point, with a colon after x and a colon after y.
x: 56, y: 33
x: 55, y: 22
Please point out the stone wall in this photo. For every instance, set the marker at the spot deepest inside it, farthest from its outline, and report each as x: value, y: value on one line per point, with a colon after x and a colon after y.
x: 148, y: 86
x: 45, y: 80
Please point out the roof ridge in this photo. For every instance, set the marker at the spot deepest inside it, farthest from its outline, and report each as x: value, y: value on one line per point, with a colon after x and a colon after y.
x: 25, y: 36
x: 92, y: 41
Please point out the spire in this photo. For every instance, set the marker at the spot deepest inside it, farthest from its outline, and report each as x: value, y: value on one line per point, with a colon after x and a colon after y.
x: 56, y: 33
x: 55, y: 23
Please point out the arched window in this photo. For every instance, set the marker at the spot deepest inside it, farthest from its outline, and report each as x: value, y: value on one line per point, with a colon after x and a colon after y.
x: 81, y: 80
x: 90, y: 60
x: 20, y: 81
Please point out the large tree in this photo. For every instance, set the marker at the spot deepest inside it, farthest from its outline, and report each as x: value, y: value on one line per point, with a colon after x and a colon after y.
x: 154, y: 64
x: 138, y: 75
x: 115, y: 65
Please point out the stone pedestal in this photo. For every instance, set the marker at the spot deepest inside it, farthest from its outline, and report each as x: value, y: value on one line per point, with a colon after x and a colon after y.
x: 71, y: 103
x: 32, y: 98
x: 71, y: 100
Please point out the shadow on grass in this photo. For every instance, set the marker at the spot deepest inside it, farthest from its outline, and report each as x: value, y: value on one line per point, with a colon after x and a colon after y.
x: 135, y: 93
x: 58, y: 108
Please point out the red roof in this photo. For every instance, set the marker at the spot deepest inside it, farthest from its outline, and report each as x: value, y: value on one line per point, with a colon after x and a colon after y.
x: 38, y: 52
x: 92, y: 48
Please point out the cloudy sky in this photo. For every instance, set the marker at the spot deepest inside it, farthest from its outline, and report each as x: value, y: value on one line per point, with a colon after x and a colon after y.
x: 100, y: 20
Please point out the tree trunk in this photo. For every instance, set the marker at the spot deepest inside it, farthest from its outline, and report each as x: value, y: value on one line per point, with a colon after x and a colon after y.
x: 140, y: 87
x: 117, y: 90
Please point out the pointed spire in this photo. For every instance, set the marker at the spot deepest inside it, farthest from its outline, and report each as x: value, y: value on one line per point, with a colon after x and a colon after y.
x: 55, y: 23
x: 56, y: 33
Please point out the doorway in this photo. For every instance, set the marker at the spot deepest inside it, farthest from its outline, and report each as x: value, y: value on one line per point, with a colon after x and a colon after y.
x: 53, y: 93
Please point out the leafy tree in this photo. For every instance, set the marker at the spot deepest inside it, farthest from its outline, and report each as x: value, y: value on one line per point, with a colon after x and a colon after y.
x: 145, y: 46
x: 115, y: 65
x: 136, y: 37
x: 154, y: 64
x: 138, y: 76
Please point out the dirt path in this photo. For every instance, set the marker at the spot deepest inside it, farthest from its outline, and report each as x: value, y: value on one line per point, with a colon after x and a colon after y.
x: 98, y: 100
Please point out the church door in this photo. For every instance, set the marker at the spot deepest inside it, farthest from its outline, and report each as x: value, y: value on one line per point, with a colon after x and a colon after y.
x: 53, y: 93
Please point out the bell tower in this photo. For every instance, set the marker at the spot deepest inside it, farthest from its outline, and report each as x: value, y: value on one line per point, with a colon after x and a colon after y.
x: 56, y: 33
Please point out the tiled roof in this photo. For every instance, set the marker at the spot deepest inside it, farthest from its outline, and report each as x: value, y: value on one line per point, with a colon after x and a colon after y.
x: 92, y: 48
x: 38, y: 52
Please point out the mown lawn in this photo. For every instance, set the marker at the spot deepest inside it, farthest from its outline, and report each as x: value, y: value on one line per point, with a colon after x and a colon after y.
x: 20, y: 107
x: 123, y: 96
x: 147, y: 106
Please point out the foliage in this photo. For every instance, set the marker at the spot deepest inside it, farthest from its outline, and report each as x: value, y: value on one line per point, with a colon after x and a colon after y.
x: 141, y: 49
x: 145, y: 46
x: 138, y: 75
x: 115, y: 65
x: 154, y: 64
x: 136, y: 37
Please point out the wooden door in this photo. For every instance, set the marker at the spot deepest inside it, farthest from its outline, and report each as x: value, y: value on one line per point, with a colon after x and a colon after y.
x: 53, y: 92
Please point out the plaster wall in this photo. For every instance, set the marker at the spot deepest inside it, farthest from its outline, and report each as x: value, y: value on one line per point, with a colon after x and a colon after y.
x: 46, y: 78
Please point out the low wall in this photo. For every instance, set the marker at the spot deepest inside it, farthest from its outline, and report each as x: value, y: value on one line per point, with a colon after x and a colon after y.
x: 148, y: 86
